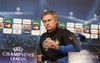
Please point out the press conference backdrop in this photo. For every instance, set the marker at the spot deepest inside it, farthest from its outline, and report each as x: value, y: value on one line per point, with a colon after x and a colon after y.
x: 21, y: 26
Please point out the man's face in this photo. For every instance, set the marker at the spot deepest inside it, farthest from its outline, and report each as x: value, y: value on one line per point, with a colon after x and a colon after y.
x: 49, y: 22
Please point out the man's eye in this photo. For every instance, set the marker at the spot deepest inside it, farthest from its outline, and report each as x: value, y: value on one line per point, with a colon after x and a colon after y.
x: 49, y: 20
x: 44, y: 21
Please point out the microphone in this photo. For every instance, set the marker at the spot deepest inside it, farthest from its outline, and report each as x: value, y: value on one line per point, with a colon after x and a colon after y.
x: 83, y: 39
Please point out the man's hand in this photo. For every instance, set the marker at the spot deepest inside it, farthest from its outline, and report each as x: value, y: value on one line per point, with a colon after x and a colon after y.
x: 49, y: 43
x: 39, y: 57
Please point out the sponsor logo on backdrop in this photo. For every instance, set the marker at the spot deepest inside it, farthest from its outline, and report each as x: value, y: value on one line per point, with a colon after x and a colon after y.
x: 94, y: 26
x: 17, y: 26
x: 35, y: 27
x: 7, y: 25
x: 70, y: 24
x: 35, y: 32
x: 86, y: 30
x: 26, y: 21
x: 26, y: 27
x: 1, y: 19
x: 8, y: 20
x: 15, y: 20
x: 1, y: 25
x: 7, y: 31
x: 16, y: 31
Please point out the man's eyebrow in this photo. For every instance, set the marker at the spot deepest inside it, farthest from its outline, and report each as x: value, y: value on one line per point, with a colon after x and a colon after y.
x: 47, y: 20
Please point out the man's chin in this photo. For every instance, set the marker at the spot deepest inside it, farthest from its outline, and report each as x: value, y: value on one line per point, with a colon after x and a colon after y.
x: 49, y: 29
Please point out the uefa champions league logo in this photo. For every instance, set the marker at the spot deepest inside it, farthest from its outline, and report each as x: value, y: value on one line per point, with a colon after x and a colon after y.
x: 18, y: 54
x: 84, y: 56
x: 17, y: 49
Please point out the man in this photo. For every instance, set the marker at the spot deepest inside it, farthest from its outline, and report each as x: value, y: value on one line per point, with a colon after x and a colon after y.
x: 56, y: 42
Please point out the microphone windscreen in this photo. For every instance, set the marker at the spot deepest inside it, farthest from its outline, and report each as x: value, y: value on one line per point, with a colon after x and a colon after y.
x: 82, y: 37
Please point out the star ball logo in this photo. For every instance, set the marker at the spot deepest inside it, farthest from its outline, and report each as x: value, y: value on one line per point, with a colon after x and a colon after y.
x: 18, y: 49
x: 18, y: 54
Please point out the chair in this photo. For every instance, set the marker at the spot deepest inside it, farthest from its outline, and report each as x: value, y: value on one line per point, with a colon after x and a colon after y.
x: 76, y: 42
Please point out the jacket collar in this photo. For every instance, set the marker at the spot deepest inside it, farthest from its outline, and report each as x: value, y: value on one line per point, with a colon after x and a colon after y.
x: 53, y: 32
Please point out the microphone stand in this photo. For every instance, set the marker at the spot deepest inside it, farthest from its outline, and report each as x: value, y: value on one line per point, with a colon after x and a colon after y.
x: 93, y: 46
x: 82, y: 38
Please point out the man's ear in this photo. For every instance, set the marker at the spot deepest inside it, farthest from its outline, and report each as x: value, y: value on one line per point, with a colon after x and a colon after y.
x: 56, y: 20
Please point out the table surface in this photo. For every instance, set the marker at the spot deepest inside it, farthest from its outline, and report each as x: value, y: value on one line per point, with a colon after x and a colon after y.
x: 49, y: 62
